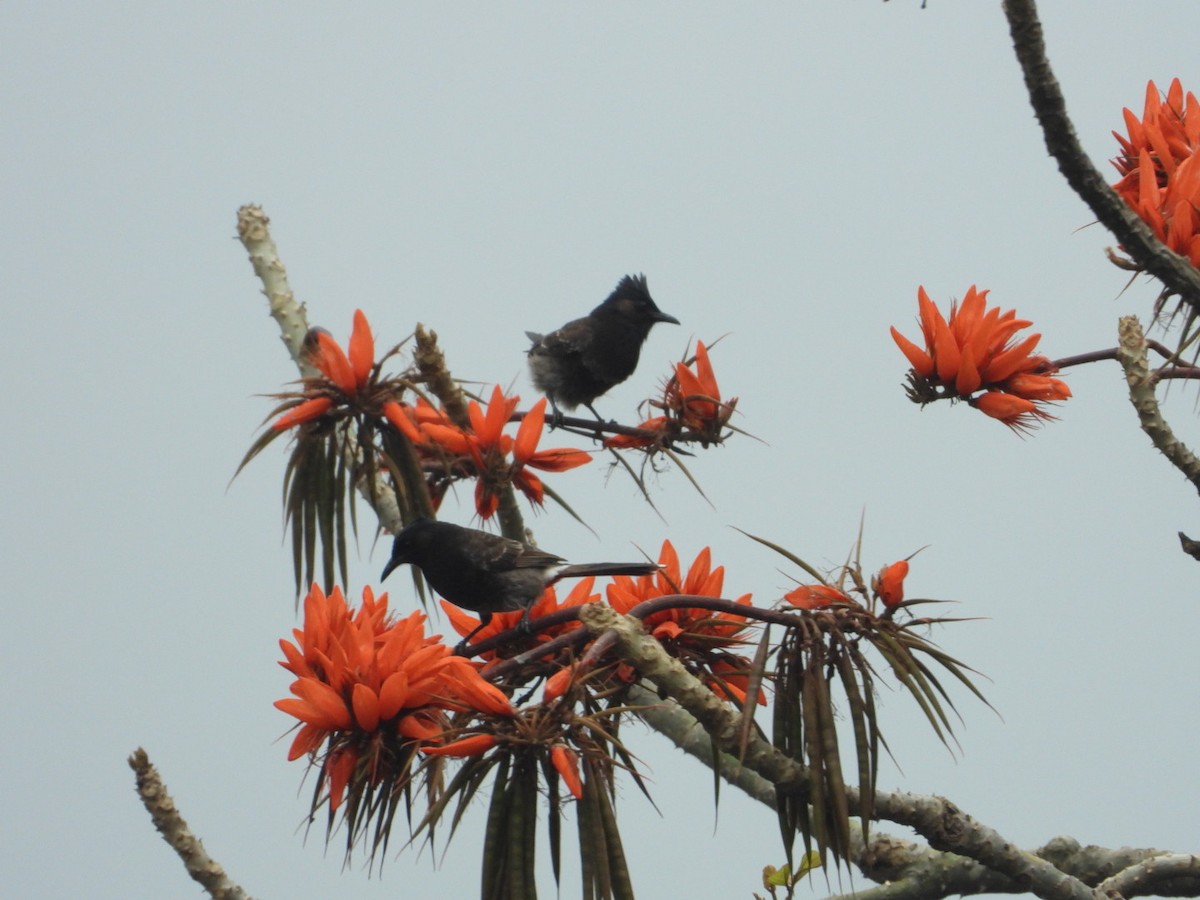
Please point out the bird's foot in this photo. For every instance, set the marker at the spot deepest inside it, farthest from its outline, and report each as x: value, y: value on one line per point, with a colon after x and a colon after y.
x: 524, y: 625
x: 600, y: 418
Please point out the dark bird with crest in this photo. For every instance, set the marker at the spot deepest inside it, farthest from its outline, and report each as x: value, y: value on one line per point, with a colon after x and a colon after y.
x: 582, y: 360
x: 487, y: 573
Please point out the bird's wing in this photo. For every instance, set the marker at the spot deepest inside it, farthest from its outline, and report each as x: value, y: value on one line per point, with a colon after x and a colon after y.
x: 506, y: 554
x: 573, y: 338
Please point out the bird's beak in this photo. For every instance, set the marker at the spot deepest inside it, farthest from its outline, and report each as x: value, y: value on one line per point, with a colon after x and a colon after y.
x: 660, y: 316
x: 392, y: 564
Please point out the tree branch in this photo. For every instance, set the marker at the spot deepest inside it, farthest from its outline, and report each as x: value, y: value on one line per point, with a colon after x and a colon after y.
x: 941, y: 823
x: 290, y: 315
x: 1177, y: 274
x: 1164, y: 875
x: 170, y: 824
x: 1132, y: 355
x: 681, y: 728
x: 292, y: 318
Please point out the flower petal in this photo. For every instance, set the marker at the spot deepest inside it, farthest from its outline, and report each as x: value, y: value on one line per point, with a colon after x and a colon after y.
x: 362, y: 349
x: 303, y: 412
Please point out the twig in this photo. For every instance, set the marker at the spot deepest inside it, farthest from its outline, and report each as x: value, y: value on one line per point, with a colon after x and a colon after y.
x: 170, y: 824
x: 1166, y: 875
x: 290, y: 315
x: 1131, y: 353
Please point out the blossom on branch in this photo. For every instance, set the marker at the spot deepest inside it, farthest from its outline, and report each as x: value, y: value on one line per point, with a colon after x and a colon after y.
x: 626, y: 592
x: 658, y: 429
x: 1160, y: 173
x: 344, y: 379
x: 816, y: 596
x: 692, y: 408
x: 334, y: 422
x: 975, y: 350
x: 697, y: 636
x: 566, y: 762
x: 581, y: 592
x: 369, y: 692
x: 694, y: 399
x: 888, y: 585
x: 483, y: 451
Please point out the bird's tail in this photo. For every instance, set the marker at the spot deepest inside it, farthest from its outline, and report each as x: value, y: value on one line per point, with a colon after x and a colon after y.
x: 586, y: 569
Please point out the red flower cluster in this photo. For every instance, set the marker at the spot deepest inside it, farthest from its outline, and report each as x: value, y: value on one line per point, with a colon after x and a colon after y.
x: 582, y: 592
x: 691, y: 633
x: 1160, y: 172
x: 483, y: 450
x: 628, y: 591
x: 694, y: 399
x: 887, y: 586
x: 692, y: 404
x: 373, y: 691
x: 973, y: 350
x: 345, y: 375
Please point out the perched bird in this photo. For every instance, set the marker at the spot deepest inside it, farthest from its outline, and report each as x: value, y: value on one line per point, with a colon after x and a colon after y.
x: 587, y: 356
x: 487, y: 573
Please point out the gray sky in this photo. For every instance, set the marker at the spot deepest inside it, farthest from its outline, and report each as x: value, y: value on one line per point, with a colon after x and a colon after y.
x: 785, y: 174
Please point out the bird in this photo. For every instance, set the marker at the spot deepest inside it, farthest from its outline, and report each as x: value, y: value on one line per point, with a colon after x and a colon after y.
x: 487, y: 573
x: 582, y: 360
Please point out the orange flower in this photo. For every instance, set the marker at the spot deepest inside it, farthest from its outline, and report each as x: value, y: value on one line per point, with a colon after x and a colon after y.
x: 306, y: 411
x: 557, y: 684
x: 1037, y: 387
x: 697, y: 637
x: 888, y: 585
x: 694, y: 399
x: 974, y: 349
x: 581, y: 593
x: 525, y: 453
x: 349, y: 373
x: 730, y: 679
x: 344, y: 377
x: 482, y: 451
x: 699, y: 625
x: 1018, y: 413
x: 473, y: 745
x: 816, y: 596
x: 659, y: 426
x: 1160, y: 178
x: 566, y: 761
x: 372, y: 690
x: 414, y: 421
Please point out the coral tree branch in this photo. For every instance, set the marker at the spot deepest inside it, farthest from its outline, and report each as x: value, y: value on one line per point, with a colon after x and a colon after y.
x: 292, y: 319
x: 170, y: 824
x: 1176, y: 273
x: 290, y: 315
x: 939, y: 821
x: 1132, y: 355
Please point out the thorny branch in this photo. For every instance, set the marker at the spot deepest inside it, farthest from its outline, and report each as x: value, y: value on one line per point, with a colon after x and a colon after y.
x: 1137, y: 240
x: 1131, y: 353
x: 998, y: 863
x: 292, y: 318
x: 170, y: 824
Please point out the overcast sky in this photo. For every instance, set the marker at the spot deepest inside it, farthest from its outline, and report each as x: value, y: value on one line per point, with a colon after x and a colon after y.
x: 786, y: 174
